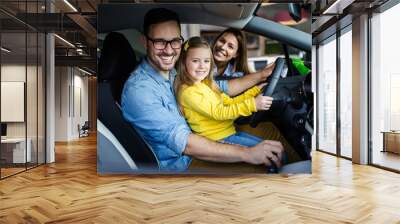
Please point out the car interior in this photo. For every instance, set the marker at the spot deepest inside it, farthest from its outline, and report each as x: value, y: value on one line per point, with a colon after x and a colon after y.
x: 122, y: 150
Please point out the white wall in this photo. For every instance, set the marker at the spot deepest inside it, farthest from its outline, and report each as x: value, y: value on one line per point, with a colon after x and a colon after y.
x: 33, y: 125
x: 12, y: 73
x: 71, y: 94
x: 61, y: 103
x: 80, y: 111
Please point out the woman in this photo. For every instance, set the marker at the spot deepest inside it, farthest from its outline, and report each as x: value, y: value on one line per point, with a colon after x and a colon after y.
x: 230, y: 56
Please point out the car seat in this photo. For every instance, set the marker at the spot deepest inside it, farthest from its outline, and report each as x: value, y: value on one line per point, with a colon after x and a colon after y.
x: 120, y: 148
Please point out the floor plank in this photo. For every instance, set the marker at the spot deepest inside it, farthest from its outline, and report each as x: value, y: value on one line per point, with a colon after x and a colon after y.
x: 70, y: 191
x: 386, y: 159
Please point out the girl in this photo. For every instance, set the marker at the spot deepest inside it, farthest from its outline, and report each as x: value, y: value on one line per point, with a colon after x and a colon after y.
x: 208, y: 111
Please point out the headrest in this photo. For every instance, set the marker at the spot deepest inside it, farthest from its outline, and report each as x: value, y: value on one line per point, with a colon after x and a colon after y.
x: 117, y: 58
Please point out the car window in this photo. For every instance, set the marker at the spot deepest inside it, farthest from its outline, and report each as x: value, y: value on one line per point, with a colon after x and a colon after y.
x: 261, y: 50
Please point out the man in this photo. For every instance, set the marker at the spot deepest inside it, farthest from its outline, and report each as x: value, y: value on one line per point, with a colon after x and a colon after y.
x: 149, y: 104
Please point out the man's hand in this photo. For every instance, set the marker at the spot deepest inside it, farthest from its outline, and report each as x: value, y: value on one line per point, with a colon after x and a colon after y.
x: 266, y: 72
x: 264, y: 153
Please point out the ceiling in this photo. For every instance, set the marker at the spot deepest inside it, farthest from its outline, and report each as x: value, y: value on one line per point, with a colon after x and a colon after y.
x: 330, y: 16
x: 72, y: 20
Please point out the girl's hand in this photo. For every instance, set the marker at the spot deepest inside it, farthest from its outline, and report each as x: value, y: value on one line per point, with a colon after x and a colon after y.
x: 261, y: 85
x: 263, y: 102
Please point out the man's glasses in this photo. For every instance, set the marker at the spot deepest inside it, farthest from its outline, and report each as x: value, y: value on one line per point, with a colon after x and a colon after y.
x: 161, y: 44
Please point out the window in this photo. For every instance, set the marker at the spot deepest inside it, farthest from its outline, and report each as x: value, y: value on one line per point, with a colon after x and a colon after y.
x: 346, y: 93
x: 327, y: 96
x: 22, y: 65
x: 385, y: 84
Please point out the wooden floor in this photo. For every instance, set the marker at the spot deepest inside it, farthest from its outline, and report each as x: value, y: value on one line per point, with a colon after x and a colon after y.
x: 70, y: 191
x: 10, y: 171
x: 387, y: 159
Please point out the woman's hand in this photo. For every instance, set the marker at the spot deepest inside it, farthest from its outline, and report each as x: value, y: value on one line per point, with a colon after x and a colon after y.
x: 266, y: 72
x: 263, y: 102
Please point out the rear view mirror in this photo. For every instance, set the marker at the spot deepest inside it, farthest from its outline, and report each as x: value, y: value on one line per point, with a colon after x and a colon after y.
x: 295, y: 11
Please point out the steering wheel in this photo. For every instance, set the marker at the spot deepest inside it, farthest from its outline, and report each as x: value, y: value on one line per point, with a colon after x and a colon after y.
x: 269, y: 90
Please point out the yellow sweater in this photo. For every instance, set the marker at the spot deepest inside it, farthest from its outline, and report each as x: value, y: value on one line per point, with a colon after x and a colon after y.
x: 210, y: 114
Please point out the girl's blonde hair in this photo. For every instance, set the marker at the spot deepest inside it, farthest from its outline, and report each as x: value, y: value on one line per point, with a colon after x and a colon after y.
x: 183, y: 78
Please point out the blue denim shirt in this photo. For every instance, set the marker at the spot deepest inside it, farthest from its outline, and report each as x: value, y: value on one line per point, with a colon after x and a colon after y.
x: 148, y: 104
x: 223, y: 84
